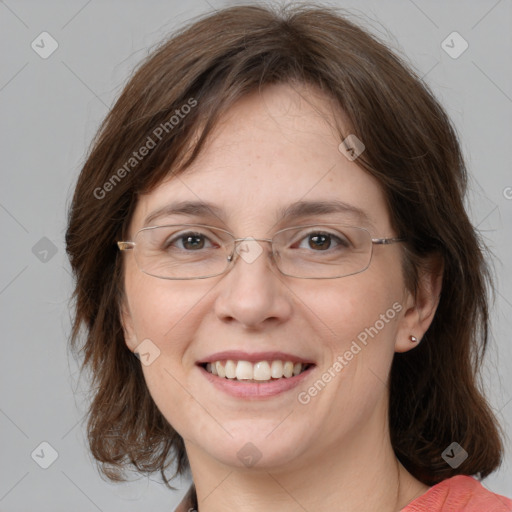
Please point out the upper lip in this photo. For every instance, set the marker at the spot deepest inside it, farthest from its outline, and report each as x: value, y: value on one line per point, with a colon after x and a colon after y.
x: 254, y: 357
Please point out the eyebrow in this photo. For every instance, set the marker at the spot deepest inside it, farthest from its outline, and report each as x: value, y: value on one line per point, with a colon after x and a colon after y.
x: 297, y: 210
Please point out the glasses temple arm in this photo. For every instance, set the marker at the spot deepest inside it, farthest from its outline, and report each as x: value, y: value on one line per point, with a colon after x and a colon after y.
x: 125, y: 246
x: 385, y: 241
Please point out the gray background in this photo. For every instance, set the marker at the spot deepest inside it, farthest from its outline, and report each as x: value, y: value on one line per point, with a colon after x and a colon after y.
x: 50, y: 109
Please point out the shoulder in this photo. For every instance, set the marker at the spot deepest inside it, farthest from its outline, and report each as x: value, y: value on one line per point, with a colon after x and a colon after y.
x: 189, y: 501
x: 460, y: 493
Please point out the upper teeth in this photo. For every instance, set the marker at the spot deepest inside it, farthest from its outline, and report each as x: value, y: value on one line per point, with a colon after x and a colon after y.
x: 262, y: 370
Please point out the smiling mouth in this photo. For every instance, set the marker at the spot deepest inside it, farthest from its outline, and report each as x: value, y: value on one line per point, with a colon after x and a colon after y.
x: 259, y: 372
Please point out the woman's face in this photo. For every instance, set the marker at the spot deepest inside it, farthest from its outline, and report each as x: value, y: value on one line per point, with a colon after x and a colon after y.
x: 270, y: 151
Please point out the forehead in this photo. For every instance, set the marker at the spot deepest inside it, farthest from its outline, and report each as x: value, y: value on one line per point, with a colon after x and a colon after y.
x: 270, y: 150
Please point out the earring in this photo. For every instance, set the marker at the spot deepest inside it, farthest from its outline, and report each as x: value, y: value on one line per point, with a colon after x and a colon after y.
x: 413, y: 339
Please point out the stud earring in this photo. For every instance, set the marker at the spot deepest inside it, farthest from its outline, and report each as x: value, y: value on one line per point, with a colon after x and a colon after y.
x: 413, y: 339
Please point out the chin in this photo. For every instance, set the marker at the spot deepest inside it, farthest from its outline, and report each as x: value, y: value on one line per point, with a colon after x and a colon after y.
x: 255, y: 446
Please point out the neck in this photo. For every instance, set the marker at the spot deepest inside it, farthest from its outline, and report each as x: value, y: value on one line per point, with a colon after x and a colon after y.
x: 361, y: 473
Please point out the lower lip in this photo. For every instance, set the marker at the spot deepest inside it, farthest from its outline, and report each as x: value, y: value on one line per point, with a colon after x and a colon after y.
x: 255, y: 390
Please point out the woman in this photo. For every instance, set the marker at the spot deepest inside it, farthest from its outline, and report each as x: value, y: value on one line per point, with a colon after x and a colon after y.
x: 271, y: 220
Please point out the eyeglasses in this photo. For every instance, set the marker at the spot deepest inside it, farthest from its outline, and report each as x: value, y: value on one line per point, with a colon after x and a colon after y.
x: 197, y: 251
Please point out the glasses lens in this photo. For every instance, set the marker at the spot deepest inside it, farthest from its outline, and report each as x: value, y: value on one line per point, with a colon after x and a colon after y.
x: 195, y: 251
x: 323, y: 251
x: 189, y: 251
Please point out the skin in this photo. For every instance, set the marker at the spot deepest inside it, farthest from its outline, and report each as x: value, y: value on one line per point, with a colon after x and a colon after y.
x: 273, y: 148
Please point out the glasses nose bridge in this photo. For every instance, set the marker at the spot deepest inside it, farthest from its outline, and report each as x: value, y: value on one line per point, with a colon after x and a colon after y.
x: 236, y: 241
x: 252, y: 239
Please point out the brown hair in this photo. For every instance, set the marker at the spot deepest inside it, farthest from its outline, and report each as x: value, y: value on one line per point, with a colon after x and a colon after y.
x: 411, y: 149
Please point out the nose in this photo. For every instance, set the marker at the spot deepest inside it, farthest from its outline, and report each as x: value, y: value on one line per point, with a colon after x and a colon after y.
x: 252, y: 293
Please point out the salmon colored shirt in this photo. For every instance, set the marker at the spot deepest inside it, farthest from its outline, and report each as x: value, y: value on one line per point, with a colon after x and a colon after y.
x: 457, y: 494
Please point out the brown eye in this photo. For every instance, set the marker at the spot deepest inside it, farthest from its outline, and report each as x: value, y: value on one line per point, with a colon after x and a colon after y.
x: 323, y: 241
x: 193, y: 241
x: 187, y: 242
x: 319, y: 241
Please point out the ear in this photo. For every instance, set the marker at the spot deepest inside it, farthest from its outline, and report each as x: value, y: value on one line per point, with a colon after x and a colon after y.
x: 127, y: 323
x: 421, y: 307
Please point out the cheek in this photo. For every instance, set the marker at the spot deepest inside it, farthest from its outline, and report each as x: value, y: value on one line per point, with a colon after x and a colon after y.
x: 355, y: 308
x: 160, y: 309
x: 166, y: 313
x: 359, y: 321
